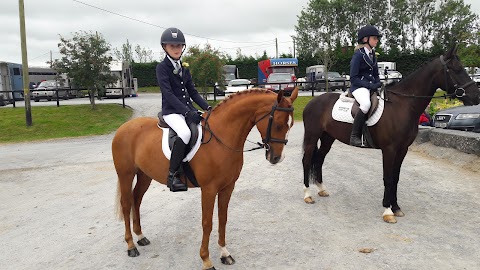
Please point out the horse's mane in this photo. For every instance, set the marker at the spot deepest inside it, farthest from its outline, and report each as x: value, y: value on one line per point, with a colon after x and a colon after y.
x: 411, y: 75
x: 242, y: 94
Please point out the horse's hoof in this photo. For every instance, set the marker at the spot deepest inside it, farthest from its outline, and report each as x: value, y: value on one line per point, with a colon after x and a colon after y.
x: 133, y: 252
x: 399, y: 213
x: 227, y: 260
x: 143, y: 242
x: 389, y: 219
x: 323, y: 193
x: 309, y: 200
x: 211, y: 268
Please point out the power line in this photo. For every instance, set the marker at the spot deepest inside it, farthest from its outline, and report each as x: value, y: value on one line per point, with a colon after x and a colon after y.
x: 158, y: 26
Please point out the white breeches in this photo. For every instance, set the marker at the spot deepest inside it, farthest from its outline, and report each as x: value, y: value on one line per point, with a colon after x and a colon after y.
x: 362, y: 95
x: 177, y: 123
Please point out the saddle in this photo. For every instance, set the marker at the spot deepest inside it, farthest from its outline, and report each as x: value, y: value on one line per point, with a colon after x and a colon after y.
x: 373, y: 100
x: 190, y: 150
x: 172, y: 135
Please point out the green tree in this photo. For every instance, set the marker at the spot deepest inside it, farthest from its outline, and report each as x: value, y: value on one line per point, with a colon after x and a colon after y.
x: 452, y: 23
x: 125, y: 54
x: 86, y: 59
x: 144, y: 55
x: 206, y: 66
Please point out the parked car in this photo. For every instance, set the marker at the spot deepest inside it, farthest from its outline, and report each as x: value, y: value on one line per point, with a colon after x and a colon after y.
x: 44, y: 90
x: 392, y: 76
x: 460, y: 118
x: 219, y: 89
x: 47, y: 90
x: 281, y: 81
x: 476, y: 79
x: 335, y: 81
x: 237, y: 85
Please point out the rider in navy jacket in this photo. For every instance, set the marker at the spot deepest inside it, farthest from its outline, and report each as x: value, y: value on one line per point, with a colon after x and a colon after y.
x: 363, y: 70
x: 178, y: 92
x: 363, y: 77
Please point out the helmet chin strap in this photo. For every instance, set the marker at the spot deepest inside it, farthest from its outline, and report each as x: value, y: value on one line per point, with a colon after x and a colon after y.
x: 368, y: 42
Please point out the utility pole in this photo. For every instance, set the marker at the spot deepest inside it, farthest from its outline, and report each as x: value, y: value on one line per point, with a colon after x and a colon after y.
x: 276, y: 48
x: 26, y: 84
x: 293, y: 47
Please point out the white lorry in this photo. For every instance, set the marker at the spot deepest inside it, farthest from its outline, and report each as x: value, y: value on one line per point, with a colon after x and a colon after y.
x: 125, y: 81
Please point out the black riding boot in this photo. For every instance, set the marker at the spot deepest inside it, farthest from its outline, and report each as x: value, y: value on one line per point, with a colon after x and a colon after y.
x: 173, y: 180
x: 358, y: 122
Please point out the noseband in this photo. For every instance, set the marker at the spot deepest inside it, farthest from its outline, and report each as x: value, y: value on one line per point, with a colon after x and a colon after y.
x: 268, y: 139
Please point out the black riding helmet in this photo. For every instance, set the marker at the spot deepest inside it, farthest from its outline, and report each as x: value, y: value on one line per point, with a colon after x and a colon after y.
x: 172, y: 35
x: 367, y: 31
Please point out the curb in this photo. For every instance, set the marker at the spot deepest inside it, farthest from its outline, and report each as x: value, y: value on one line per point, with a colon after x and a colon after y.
x: 467, y: 142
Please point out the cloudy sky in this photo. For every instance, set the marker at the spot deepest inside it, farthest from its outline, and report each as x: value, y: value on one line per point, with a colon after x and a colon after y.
x: 227, y: 25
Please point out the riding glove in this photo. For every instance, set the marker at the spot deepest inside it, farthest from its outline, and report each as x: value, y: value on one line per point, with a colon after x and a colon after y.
x: 375, y: 86
x: 193, y: 117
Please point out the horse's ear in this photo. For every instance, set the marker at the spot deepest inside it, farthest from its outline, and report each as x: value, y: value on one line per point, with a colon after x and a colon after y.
x: 280, y: 96
x: 294, y: 95
x: 452, y: 52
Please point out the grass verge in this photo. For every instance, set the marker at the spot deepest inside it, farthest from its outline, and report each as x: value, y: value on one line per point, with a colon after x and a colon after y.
x: 60, y: 122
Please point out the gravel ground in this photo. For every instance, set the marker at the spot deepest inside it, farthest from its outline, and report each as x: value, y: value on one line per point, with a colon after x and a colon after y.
x: 58, y: 210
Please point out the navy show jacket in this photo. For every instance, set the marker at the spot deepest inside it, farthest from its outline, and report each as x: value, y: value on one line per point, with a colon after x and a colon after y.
x: 177, y: 91
x: 363, y: 70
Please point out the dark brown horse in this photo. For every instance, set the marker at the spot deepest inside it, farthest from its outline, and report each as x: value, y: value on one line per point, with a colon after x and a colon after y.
x: 137, y: 151
x: 394, y: 132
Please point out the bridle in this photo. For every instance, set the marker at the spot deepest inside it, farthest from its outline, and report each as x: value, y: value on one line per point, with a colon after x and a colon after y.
x: 265, y: 142
x: 458, y: 92
x: 461, y: 88
x: 268, y: 139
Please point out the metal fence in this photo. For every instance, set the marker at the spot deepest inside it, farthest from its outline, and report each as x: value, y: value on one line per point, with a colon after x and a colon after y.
x: 58, y: 94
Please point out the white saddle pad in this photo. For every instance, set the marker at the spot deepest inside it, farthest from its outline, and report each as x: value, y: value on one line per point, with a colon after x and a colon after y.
x: 342, y: 110
x: 166, y: 149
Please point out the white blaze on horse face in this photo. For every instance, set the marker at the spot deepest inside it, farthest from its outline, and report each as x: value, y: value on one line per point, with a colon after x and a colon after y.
x: 282, y: 157
x: 290, y: 124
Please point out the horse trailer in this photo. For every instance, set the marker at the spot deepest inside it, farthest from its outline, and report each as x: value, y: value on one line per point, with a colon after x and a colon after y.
x: 125, y: 81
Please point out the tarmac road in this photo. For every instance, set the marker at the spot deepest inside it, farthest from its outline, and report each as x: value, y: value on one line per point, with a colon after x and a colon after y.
x: 58, y: 211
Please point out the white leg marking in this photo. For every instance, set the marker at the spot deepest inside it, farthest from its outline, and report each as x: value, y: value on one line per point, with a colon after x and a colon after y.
x: 140, y: 236
x: 306, y: 192
x: 321, y: 186
x: 388, y: 212
x: 224, y: 252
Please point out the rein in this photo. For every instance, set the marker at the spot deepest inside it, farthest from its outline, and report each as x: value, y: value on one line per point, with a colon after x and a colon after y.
x: 265, y: 142
x: 459, y: 90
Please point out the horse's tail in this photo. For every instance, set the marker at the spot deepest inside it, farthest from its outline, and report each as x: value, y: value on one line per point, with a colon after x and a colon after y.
x: 314, y: 165
x: 118, y: 205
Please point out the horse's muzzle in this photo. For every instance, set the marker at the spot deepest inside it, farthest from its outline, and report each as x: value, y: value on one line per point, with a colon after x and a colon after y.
x: 273, y: 158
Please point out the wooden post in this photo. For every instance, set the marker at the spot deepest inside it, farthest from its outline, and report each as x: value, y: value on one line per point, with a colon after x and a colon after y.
x: 26, y: 81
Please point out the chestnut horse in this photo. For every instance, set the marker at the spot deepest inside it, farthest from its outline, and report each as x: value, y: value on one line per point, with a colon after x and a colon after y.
x: 393, y: 133
x: 137, y: 150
